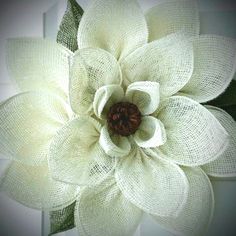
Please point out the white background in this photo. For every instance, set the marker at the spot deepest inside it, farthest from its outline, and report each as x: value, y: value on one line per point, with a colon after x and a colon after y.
x: 25, y: 18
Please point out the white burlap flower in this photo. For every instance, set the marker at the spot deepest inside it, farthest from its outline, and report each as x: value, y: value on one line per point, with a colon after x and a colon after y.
x: 122, y: 118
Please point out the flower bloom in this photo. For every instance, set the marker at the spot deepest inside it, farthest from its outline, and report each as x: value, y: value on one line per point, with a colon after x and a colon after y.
x: 118, y: 126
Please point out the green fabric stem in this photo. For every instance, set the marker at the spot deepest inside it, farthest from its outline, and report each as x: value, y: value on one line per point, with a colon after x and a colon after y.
x: 62, y: 220
x: 67, y: 34
x: 227, y: 101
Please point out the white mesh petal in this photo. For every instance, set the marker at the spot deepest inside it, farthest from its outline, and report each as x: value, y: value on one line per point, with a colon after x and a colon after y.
x: 75, y: 154
x: 197, y: 213
x: 214, y: 67
x: 156, y: 186
x: 225, y: 164
x: 34, y: 187
x: 91, y: 69
x: 171, y: 16
x: 105, y: 97
x: 145, y: 95
x: 28, y: 123
x: 151, y: 133
x: 38, y: 64
x: 194, y: 135
x: 105, y: 211
x: 116, y: 26
x: 114, y: 145
x: 168, y: 61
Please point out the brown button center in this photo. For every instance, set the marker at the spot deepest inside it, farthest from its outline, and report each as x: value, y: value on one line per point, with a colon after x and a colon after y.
x: 124, y: 118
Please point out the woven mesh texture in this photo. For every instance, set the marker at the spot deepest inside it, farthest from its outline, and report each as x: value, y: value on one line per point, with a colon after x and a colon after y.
x: 39, y: 64
x: 214, y: 67
x: 67, y: 34
x: 194, y: 136
x: 33, y: 187
x: 156, y: 186
x: 120, y: 30
x: 197, y: 213
x: 91, y: 69
x: 62, y: 220
x: 151, y: 133
x: 104, y: 211
x: 105, y: 97
x: 171, y: 16
x: 145, y: 95
x: 28, y: 123
x: 75, y: 154
x: 114, y: 145
x: 168, y: 61
x: 225, y: 165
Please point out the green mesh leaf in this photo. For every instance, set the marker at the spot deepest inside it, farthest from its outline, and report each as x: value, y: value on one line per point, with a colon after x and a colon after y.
x: 227, y: 101
x: 62, y: 220
x: 67, y: 34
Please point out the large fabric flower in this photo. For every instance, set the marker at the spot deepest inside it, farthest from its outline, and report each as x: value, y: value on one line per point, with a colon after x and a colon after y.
x: 118, y: 126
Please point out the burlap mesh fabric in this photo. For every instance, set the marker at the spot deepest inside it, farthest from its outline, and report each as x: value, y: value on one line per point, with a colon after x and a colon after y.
x: 67, y: 34
x: 171, y: 16
x: 33, y: 186
x: 26, y: 133
x: 39, y: 64
x: 225, y: 165
x: 62, y: 220
x: 104, y: 210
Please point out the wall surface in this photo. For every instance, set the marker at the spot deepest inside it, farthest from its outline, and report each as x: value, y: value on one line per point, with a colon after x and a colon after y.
x: 27, y: 18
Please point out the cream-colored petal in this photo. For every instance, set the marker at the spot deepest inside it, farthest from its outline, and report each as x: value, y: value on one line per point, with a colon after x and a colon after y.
x: 34, y: 187
x: 91, y: 69
x: 75, y: 154
x: 197, y: 213
x: 225, y: 164
x: 157, y: 186
x: 114, y: 145
x: 105, y: 97
x: 145, y: 95
x: 29, y: 121
x: 151, y: 133
x: 39, y: 64
x: 194, y: 136
x: 104, y: 210
x: 168, y: 61
x: 214, y: 67
x: 171, y: 16
x: 116, y: 26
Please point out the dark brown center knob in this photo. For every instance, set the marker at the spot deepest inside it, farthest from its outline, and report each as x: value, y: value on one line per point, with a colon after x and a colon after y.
x: 124, y: 118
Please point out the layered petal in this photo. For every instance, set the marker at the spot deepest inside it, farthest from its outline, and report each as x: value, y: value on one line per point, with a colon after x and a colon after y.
x: 151, y: 133
x: 75, y: 154
x: 156, y: 186
x: 194, y: 136
x: 225, y: 164
x: 39, y: 64
x: 105, y: 97
x: 28, y: 123
x: 168, y: 61
x: 34, y: 187
x: 171, y: 16
x: 145, y: 95
x: 114, y: 145
x: 105, y: 211
x: 197, y: 213
x: 214, y: 67
x: 120, y: 31
x: 91, y: 69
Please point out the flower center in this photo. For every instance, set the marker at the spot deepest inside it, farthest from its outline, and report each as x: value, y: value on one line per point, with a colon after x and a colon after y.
x: 124, y: 118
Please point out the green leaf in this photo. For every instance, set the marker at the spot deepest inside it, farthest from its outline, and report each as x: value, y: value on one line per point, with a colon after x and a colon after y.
x: 62, y: 220
x: 67, y: 34
x: 227, y: 101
